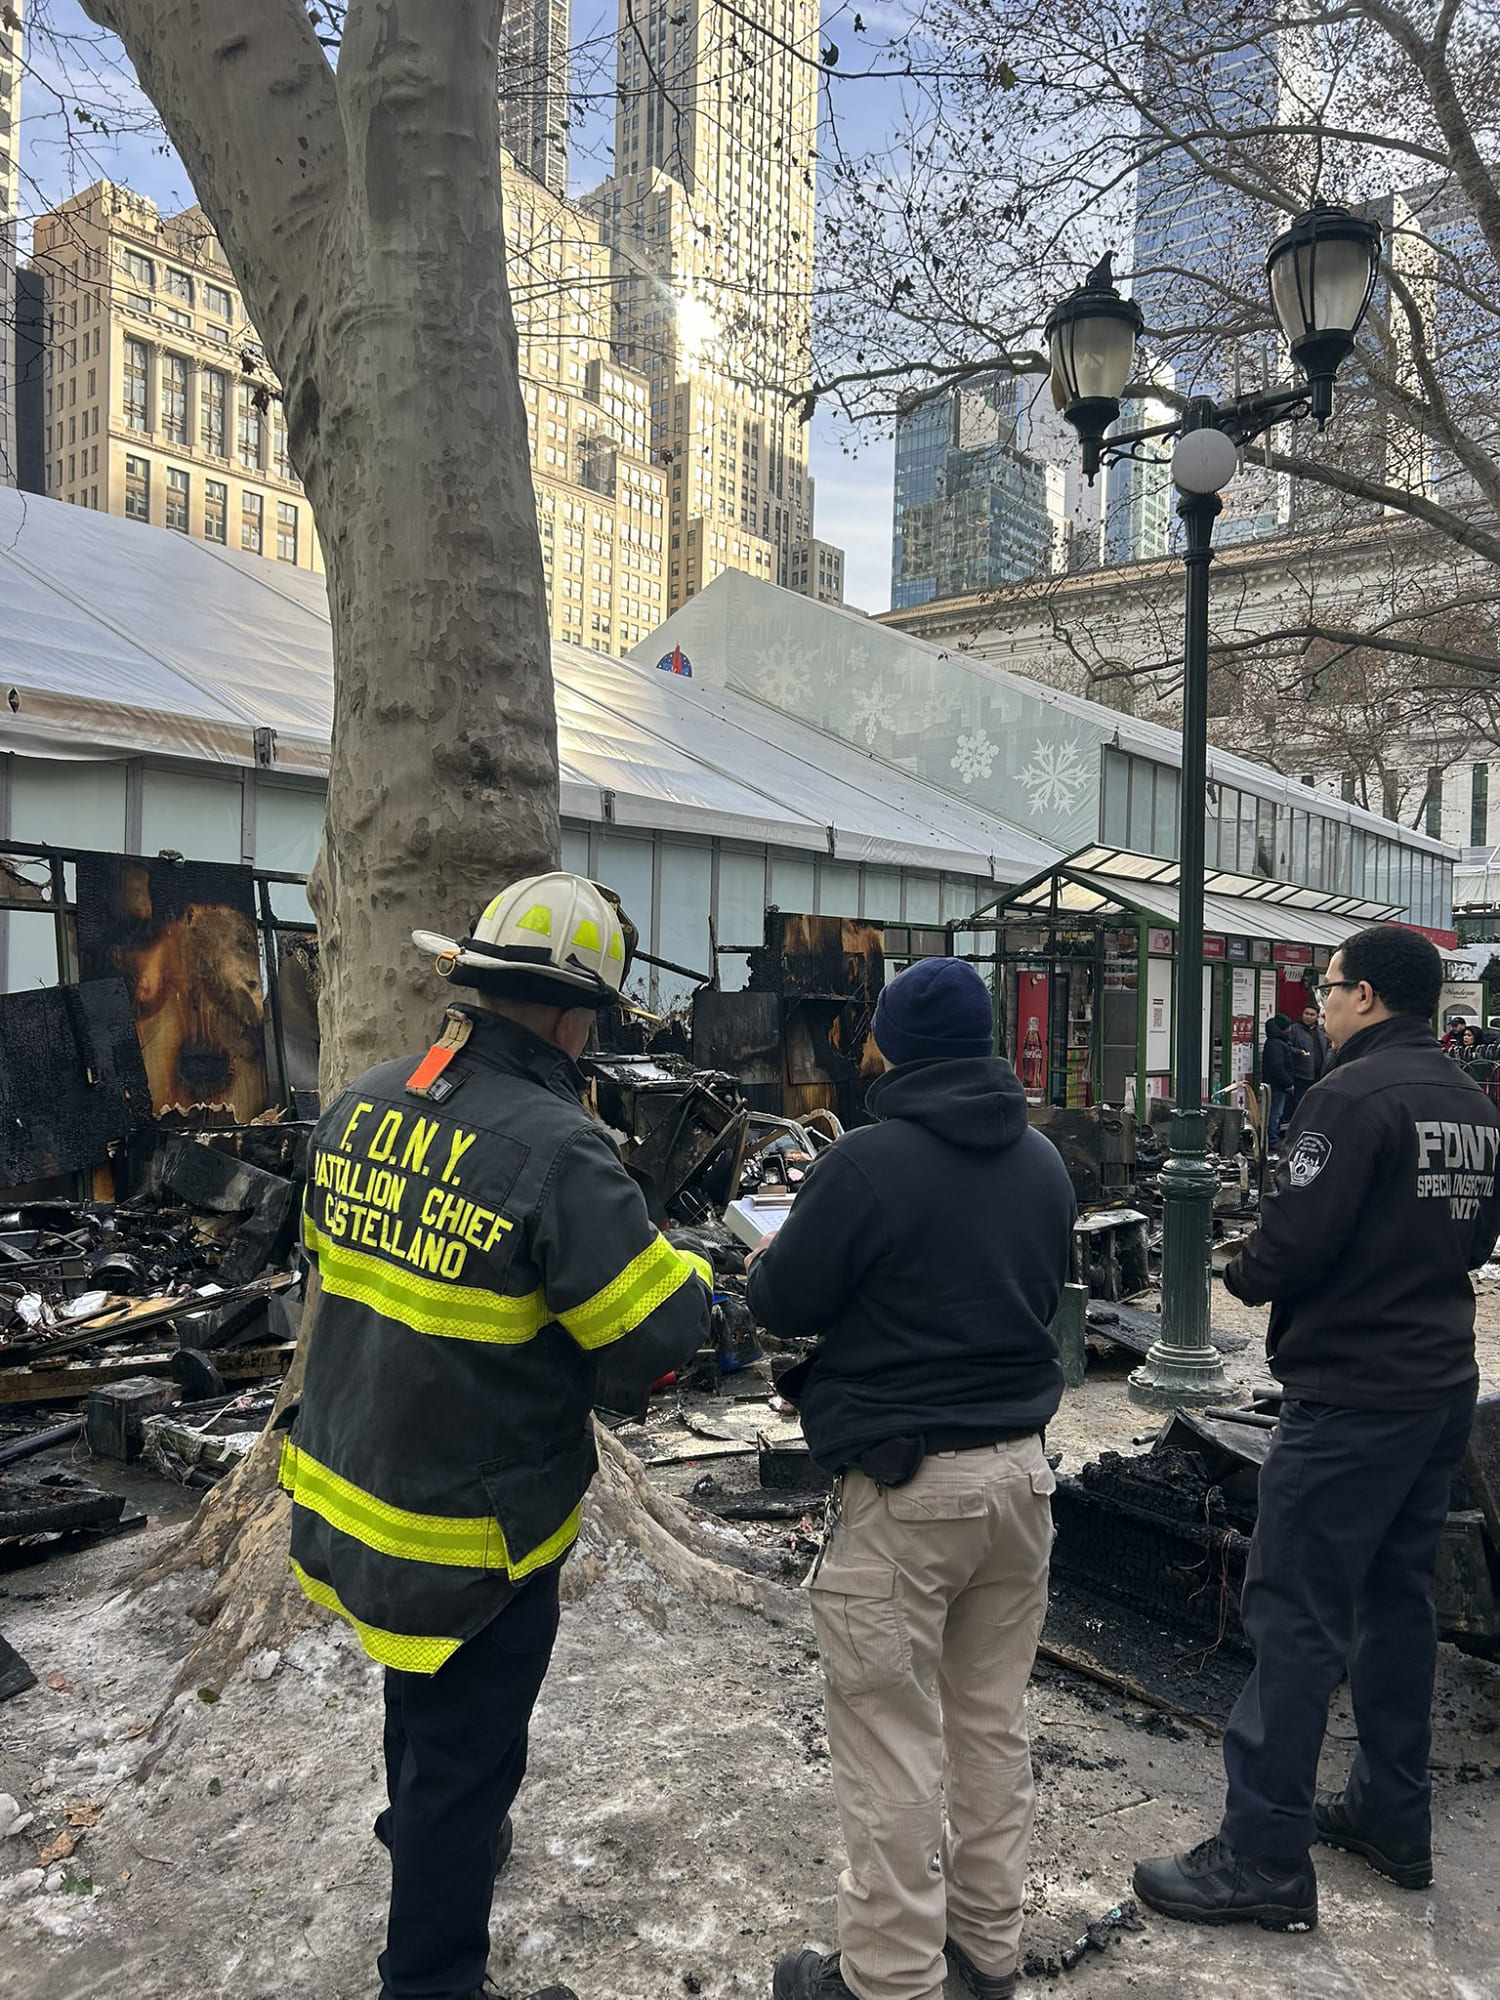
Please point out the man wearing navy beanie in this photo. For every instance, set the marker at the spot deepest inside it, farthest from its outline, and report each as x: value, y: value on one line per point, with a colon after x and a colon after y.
x: 928, y: 1253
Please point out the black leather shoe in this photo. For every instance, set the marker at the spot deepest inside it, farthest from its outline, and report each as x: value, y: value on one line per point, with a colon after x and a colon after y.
x: 1213, y: 1884
x: 1403, y: 1862
x: 809, y: 1975
x: 983, y: 1985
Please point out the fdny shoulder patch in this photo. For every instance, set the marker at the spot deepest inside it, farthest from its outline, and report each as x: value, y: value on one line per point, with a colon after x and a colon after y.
x: 1308, y: 1158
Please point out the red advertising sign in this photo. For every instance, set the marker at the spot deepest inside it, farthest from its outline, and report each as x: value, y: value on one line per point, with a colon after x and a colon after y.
x: 1291, y: 954
x: 1033, y: 990
x: 1213, y: 947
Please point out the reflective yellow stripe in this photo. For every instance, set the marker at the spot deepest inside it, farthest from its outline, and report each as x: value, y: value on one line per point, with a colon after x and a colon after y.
x: 701, y: 1266
x: 645, y: 1283
x: 457, y: 1541
x: 426, y: 1305
x: 401, y: 1650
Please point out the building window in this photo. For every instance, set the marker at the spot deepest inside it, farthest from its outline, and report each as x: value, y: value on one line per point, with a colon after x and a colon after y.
x: 279, y: 459
x: 140, y: 270
x: 177, y: 499
x: 252, y: 522
x: 250, y: 429
x: 212, y: 388
x: 137, y: 489
x: 178, y: 283
x: 218, y: 302
x: 135, y: 385
x: 1479, y: 808
x: 215, y: 511
x: 1433, y: 807
x: 174, y: 398
x: 286, y: 531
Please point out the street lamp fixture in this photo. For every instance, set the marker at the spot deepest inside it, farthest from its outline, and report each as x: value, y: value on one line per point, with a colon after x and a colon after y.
x: 1091, y: 337
x: 1321, y: 272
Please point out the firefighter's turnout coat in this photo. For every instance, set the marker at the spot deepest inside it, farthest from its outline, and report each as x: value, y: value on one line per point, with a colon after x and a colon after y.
x: 488, y: 1275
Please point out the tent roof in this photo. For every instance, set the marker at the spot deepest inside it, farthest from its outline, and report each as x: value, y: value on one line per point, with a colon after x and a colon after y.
x: 119, y: 639
x: 1102, y: 882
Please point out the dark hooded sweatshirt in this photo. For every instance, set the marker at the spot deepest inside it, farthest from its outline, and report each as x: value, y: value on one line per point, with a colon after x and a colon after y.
x: 929, y: 1251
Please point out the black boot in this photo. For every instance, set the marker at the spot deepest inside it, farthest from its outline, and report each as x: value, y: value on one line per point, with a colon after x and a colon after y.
x: 1404, y: 1862
x: 983, y: 1985
x: 808, y: 1975
x: 1214, y: 1884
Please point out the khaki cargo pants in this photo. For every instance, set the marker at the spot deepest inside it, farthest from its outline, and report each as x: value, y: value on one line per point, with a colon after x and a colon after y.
x: 928, y: 1605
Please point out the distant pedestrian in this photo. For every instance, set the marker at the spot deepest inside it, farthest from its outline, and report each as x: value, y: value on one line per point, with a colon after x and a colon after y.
x: 1386, y: 1202
x: 1311, y: 1053
x: 1278, y: 1072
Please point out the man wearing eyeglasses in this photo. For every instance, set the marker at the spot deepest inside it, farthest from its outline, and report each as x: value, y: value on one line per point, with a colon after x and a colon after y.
x: 1385, y: 1202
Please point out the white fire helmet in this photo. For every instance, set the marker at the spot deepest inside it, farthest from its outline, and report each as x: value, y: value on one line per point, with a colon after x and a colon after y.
x: 563, y: 934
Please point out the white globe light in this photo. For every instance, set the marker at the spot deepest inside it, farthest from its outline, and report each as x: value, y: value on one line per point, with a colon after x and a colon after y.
x: 1204, y: 461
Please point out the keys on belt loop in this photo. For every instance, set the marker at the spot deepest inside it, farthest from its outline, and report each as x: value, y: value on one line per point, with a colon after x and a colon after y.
x: 830, y: 1522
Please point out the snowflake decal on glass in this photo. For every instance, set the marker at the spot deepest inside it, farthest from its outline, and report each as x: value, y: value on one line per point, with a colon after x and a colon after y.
x: 1057, y: 777
x: 871, y: 711
x: 783, y: 673
x: 974, y: 756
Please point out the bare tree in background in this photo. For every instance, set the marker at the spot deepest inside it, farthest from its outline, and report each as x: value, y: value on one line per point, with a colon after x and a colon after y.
x: 1049, y: 120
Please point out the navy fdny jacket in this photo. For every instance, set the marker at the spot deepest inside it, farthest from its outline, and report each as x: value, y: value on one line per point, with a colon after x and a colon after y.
x: 1386, y: 1200
x: 488, y: 1275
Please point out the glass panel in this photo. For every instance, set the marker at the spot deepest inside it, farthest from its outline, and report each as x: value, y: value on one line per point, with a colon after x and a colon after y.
x: 924, y: 898
x: 1248, y: 806
x: 792, y: 887
x: 1316, y: 874
x: 1142, y: 789
x: 682, y: 931
x: 883, y: 894
x: 1299, y: 848
x: 1284, y: 818
x: 1114, y: 811
x: 838, y: 889
x: 1265, y: 837
x: 962, y: 896
x: 288, y: 827
x: 68, y: 805
x: 625, y: 867
x: 198, y: 817
x: 1164, y: 813
x: 741, y: 915
x: 575, y: 850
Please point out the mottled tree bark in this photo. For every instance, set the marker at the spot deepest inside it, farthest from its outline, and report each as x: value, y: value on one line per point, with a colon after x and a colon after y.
x: 360, y: 211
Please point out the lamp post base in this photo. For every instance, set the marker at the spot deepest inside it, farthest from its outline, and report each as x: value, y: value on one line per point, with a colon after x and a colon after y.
x: 1184, y: 1365
x: 1178, y: 1377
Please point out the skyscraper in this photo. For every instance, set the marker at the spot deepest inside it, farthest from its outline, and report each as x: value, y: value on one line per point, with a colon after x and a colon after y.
x: 1138, y: 497
x: 10, y: 202
x: 1200, y: 243
x: 710, y: 212
x: 534, y: 89
x: 971, y: 508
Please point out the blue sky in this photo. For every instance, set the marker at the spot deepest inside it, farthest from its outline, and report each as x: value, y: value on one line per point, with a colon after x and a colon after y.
x: 59, y: 156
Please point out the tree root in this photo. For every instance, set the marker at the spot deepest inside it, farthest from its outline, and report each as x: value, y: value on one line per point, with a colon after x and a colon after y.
x: 639, y: 1539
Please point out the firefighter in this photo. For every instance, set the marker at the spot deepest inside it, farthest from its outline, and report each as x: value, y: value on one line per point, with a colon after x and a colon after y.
x: 488, y: 1276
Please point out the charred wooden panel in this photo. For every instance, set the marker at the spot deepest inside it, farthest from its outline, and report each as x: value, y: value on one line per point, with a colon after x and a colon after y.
x: 830, y: 958
x: 740, y: 1033
x: 182, y: 936
x: 72, y: 1080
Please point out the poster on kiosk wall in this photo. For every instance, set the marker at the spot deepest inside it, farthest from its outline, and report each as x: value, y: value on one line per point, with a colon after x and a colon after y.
x: 1033, y: 990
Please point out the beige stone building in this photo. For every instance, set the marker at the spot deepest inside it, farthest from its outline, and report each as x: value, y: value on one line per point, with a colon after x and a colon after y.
x: 818, y: 571
x: 601, y: 497
x: 159, y: 404
x: 710, y: 214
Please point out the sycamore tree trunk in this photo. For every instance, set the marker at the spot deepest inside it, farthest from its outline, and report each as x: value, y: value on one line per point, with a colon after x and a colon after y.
x: 360, y: 209
x: 359, y: 206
